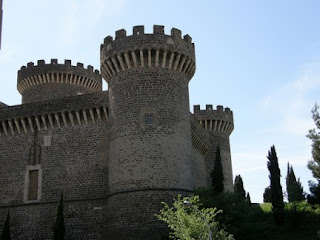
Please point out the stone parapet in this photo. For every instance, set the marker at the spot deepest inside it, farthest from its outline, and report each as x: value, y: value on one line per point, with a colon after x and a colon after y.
x: 54, y: 80
x: 215, y: 120
x: 141, y: 50
x: 57, y: 113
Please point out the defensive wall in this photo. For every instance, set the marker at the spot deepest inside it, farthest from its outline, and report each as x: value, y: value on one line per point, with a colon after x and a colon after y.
x: 115, y: 154
x: 50, y: 147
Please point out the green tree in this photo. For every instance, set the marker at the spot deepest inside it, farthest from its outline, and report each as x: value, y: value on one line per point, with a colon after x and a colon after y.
x: 248, y: 198
x: 294, y: 187
x: 189, y: 222
x: 6, y: 229
x: 314, y: 163
x: 314, y: 197
x: 217, y: 173
x: 59, y: 228
x: 238, y: 187
x: 314, y: 136
x: 267, y: 195
x: 234, y: 209
x: 276, y: 189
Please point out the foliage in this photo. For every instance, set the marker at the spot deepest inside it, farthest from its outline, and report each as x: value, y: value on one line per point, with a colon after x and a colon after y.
x: 314, y: 136
x: 234, y: 208
x: 276, y: 189
x: 59, y: 228
x: 267, y: 195
x: 189, y: 222
x: 294, y: 187
x: 238, y: 187
x: 217, y: 173
x: 6, y: 229
x: 256, y: 221
x: 314, y: 164
x: 248, y: 198
x: 300, y: 212
x: 314, y: 197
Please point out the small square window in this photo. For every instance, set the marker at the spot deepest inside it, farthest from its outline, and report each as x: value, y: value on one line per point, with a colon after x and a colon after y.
x: 148, y: 119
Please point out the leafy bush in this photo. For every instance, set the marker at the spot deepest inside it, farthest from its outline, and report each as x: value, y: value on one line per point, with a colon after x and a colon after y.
x: 233, y: 207
x: 188, y: 222
x: 302, y: 220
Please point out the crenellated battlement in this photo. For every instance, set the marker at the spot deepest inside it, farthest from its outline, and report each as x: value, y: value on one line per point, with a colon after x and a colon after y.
x: 157, y: 30
x: 54, y: 62
x: 60, y: 73
x: 216, y: 120
x: 141, y: 50
x: 72, y: 79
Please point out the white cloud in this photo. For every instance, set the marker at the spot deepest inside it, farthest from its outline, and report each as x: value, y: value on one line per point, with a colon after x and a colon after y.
x: 293, y: 101
x: 245, y: 163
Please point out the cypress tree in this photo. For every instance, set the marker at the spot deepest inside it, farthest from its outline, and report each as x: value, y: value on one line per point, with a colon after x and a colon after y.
x: 6, y: 229
x: 248, y: 199
x: 217, y: 173
x: 59, y: 228
x: 294, y: 187
x: 276, y: 189
x: 267, y: 195
x: 238, y: 187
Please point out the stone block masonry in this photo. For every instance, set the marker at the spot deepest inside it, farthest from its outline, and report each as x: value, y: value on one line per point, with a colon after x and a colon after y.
x: 116, y: 154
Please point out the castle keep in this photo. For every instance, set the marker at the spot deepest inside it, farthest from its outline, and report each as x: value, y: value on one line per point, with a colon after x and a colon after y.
x: 115, y: 154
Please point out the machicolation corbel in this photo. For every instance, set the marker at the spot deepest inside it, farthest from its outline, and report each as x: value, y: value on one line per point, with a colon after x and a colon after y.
x: 141, y: 50
x: 73, y: 79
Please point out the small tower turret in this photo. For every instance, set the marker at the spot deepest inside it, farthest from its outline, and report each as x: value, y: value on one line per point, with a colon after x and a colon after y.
x: 219, y: 123
x: 53, y: 80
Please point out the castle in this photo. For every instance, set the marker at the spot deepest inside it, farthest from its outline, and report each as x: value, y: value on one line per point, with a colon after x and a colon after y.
x: 115, y: 154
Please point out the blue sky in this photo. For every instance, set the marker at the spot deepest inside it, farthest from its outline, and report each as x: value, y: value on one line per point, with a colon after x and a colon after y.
x: 260, y: 58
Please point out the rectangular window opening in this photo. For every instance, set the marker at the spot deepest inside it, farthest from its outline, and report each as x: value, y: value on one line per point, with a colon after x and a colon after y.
x: 33, y: 185
x: 148, y: 117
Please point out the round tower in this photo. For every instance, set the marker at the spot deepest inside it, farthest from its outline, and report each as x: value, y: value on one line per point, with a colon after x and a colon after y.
x: 219, y: 123
x: 53, y: 80
x: 150, y: 135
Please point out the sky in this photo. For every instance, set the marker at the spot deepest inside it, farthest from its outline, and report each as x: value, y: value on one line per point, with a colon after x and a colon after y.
x: 260, y: 58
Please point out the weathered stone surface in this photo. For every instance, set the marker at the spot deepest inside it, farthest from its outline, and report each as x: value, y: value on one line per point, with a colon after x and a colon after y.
x: 116, y: 154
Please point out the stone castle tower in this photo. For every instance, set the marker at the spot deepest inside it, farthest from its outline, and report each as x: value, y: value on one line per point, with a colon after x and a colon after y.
x: 115, y: 154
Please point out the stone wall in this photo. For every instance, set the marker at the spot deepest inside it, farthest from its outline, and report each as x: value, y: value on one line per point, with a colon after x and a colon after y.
x: 71, y: 159
x: 150, y: 134
x: 199, y: 170
x: 115, y: 155
x: 131, y: 215
x: 83, y: 220
x: 219, y: 124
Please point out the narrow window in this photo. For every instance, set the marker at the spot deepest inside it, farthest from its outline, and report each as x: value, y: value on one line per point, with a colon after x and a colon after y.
x: 33, y: 185
x: 148, y: 119
x: 34, y: 155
